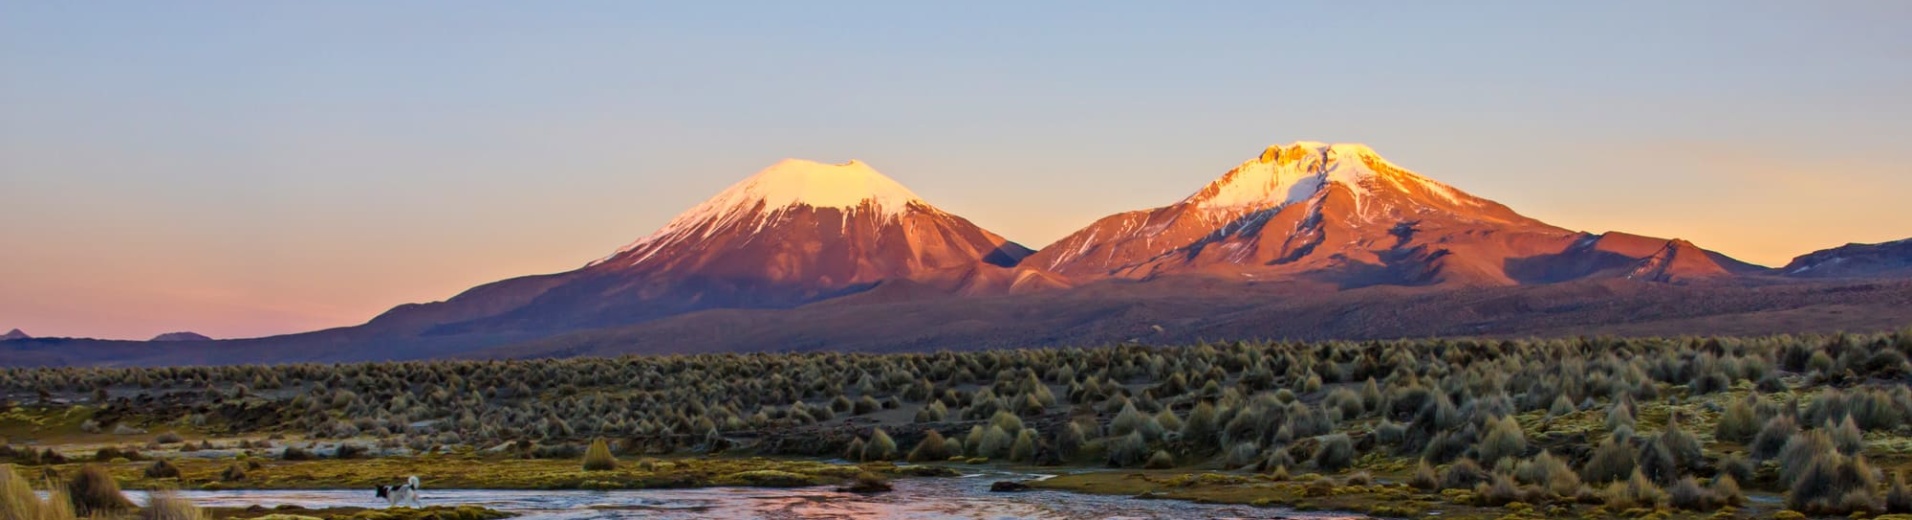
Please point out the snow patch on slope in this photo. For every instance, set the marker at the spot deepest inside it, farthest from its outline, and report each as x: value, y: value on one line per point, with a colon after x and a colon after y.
x: 850, y: 187
x: 1295, y: 173
x: 793, y: 182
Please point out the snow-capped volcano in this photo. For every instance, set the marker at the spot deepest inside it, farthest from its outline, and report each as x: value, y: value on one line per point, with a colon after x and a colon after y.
x: 852, y: 190
x: 796, y: 232
x: 1296, y: 173
x: 1341, y: 213
x: 810, y: 223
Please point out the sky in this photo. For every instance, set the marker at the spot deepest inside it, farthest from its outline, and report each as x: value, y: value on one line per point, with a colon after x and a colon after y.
x: 252, y: 168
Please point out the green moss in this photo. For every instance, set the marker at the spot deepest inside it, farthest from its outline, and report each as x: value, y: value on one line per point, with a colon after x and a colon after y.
x: 767, y: 478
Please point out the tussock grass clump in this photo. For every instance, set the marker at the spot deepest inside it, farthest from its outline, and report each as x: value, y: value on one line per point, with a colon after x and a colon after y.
x: 1636, y: 491
x: 854, y: 451
x: 880, y: 447
x: 1611, y: 461
x: 165, y: 505
x: 94, y: 492
x: 933, y: 448
x: 598, y: 457
x: 1463, y: 474
x: 295, y: 453
x: 1127, y: 451
x: 1503, y: 490
x: 1834, y: 484
x: 234, y: 473
x: 1425, y: 478
x: 162, y: 469
x: 19, y: 502
x: 1772, y: 437
x: 1202, y: 428
x: 1024, y: 449
x: 1549, y: 473
x: 1160, y: 460
x: 1503, y: 439
x: 1739, y: 424
x: 1335, y: 453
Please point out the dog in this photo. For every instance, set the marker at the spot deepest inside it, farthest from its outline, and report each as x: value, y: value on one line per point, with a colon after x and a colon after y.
x: 395, y: 495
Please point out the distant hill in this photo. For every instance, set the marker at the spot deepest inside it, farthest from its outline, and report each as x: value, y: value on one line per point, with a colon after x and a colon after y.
x: 1887, y: 260
x: 180, y: 336
x: 13, y: 335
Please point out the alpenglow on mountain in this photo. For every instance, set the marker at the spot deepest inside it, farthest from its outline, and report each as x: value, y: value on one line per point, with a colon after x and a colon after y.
x: 794, y: 233
x: 1341, y: 214
x: 1300, y: 240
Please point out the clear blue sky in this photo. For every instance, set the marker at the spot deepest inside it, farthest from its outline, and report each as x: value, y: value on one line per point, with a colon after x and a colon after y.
x: 244, y: 168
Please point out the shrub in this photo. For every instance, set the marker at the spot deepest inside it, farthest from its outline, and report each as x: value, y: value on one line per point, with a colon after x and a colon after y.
x: 866, y: 404
x: 294, y: 453
x: 353, y: 451
x: 598, y: 457
x: 1687, y: 494
x: 19, y: 502
x: 1127, y: 450
x: 1390, y: 433
x: 1739, y: 424
x: 169, y: 438
x: 1550, y: 473
x: 995, y: 443
x: 1335, y: 453
x: 1561, y: 406
x: 1132, y: 420
x: 1802, y: 452
x: 931, y: 449
x: 1463, y: 474
x: 1621, y: 415
x: 1502, y: 491
x: 1738, y: 467
x: 1725, y: 489
x: 1847, y: 438
x: 1070, y: 440
x: 881, y: 446
x: 1898, y: 498
x: 1657, y: 462
x: 234, y: 473
x: 1009, y: 422
x: 1636, y: 491
x: 1772, y: 437
x: 1834, y: 484
x: 1503, y: 439
x: 1611, y: 461
x: 1169, y: 422
x: 854, y: 452
x: 94, y: 492
x: 1160, y: 460
x: 1243, y: 454
x: 1346, y: 400
x: 165, y: 505
x: 1684, y: 447
x: 1424, y: 478
x: 1024, y: 449
x: 162, y: 469
x: 1202, y: 428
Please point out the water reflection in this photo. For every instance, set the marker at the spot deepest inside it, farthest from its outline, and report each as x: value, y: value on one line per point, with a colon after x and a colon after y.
x: 931, y: 499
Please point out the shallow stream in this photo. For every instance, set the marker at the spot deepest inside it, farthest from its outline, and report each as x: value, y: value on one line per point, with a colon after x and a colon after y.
x: 917, y: 498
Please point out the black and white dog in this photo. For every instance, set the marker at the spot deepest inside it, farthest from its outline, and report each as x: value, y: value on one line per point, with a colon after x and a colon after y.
x: 395, y: 495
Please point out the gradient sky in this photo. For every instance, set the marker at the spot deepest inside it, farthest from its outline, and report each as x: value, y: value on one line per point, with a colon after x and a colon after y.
x: 250, y: 168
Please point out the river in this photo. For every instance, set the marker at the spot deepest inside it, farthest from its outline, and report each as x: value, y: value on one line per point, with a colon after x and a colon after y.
x: 963, y: 498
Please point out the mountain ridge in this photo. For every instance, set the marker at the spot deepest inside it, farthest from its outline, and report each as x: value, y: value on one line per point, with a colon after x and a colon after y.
x: 805, y: 255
